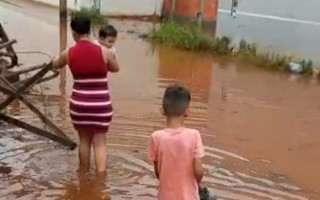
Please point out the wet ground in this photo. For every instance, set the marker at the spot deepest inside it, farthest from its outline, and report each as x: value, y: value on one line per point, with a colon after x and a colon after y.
x: 260, y: 129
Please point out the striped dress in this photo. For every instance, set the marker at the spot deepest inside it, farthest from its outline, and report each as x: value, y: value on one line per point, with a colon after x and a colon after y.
x: 90, y: 103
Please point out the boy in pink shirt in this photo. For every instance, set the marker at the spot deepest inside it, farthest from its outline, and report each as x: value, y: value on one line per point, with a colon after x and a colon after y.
x: 177, y: 151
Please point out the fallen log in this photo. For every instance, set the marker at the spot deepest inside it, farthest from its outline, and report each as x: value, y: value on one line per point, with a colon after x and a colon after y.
x: 28, y: 103
x: 13, y: 93
x: 38, y: 131
x: 14, y: 88
x: 29, y: 69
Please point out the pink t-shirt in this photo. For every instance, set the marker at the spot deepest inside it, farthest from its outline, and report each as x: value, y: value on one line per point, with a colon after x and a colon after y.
x: 175, y: 150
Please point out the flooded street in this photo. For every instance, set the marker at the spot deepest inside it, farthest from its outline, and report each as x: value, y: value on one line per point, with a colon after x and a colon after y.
x: 260, y: 129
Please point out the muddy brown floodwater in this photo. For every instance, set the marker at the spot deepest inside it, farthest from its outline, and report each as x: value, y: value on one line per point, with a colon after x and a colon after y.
x: 260, y: 129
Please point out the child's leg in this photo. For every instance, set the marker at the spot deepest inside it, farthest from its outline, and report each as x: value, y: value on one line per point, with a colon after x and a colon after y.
x: 100, y: 152
x: 85, y: 150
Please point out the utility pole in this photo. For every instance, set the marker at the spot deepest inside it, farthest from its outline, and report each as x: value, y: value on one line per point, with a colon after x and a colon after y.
x: 63, y: 41
x: 173, y: 9
x: 201, y: 13
x: 97, y: 4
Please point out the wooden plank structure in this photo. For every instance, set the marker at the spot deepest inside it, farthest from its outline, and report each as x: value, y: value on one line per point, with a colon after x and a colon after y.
x: 14, y: 87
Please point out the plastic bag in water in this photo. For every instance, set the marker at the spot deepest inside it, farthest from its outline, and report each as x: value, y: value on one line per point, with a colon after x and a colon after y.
x: 295, y: 67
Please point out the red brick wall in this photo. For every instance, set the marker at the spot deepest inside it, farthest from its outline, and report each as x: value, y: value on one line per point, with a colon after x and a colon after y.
x: 190, y: 8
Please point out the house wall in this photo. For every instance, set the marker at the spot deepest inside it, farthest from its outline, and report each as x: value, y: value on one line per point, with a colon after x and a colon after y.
x: 116, y: 7
x: 288, y: 26
x: 131, y: 8
x: 72, y: 4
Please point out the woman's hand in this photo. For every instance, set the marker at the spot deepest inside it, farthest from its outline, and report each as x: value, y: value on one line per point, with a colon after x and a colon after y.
x: 110, y: 60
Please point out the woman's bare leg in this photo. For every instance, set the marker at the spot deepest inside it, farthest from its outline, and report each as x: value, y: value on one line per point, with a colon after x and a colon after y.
x: 85, y: 150
x: 100, y: 152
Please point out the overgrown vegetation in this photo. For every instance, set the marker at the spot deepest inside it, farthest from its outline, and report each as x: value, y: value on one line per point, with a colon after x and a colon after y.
x: 272, y: 60
x: 190, y: 37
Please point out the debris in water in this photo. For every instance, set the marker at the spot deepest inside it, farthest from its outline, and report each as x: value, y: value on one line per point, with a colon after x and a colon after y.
x: 205, y: 194
x: 265, y: 161
x: 295, y: 68
x: 5, y: 170
x: 13, y: 188
x: 143, y: 36
x: 131, y: 31
x: 290, y: 187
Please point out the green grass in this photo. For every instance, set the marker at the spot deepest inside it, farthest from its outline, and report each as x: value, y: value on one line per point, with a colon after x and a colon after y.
x: 190, y: 37
x: 270, y: 59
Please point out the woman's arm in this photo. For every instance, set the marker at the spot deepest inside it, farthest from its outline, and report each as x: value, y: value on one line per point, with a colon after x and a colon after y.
x: 109, y: 58
x: 62, y: 60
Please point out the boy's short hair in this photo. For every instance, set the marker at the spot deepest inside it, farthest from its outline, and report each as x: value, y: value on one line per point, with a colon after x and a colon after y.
x: 176, y: 100
x: 81, y: 25
x: 108, y: 31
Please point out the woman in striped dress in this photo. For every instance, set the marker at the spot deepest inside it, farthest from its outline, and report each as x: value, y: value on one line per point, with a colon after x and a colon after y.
x: 90, y: 104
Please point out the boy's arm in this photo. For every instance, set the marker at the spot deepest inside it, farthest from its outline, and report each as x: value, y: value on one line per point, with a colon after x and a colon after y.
x: 156, y: 170
x: 152, y: 154
x: 198, y: 155
x: 198, y: 169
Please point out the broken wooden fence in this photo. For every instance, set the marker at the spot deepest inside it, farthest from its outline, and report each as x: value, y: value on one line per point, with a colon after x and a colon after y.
x: 14, y: 87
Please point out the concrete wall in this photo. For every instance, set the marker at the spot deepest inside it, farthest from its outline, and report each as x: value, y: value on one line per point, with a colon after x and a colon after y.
x: 116, y: 7
x: 72, y: 4
x: 131, y: 7
x: 287, y: 26
x: 297, y: 9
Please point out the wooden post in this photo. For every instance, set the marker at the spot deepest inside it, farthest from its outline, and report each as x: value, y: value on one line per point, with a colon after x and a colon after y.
x: 7, y: 44
x: 97, y: 5
x: 63, y: 42
x: 173, y: 8
x: 4, y: 38
x: 200, y: 16
x: 63, y: 46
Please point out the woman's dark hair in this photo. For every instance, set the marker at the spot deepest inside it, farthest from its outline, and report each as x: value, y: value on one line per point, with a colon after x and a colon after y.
x: 176, y: 100
x: 108, y: 31
x: 81, y: 25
